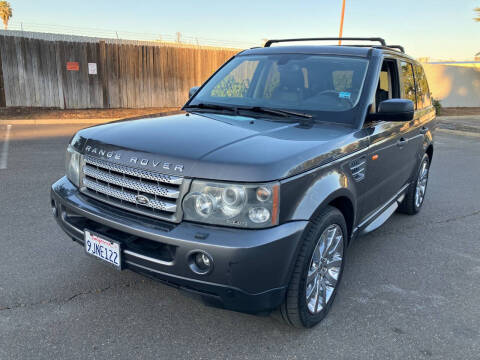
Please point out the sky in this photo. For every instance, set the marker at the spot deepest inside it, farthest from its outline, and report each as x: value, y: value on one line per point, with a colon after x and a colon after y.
x: 439, y: 29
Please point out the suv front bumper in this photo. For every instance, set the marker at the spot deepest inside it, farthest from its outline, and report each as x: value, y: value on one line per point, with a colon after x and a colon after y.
x: 251, y: 268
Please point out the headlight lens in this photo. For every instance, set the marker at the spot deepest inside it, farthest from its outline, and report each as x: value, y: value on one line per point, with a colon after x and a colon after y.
x: 239, y: 205
x: 72, y: 165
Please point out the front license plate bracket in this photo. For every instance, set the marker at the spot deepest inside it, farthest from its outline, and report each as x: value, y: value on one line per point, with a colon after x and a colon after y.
x: 103, y: 248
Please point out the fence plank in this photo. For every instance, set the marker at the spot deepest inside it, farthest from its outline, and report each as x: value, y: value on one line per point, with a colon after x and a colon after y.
x: 3, y: 102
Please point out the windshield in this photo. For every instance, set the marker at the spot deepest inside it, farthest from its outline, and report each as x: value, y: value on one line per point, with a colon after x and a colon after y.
x: 304, y: 83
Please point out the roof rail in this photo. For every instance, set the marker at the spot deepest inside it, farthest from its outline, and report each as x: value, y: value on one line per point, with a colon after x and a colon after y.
x: 376, y: 39
x: 399, y: 47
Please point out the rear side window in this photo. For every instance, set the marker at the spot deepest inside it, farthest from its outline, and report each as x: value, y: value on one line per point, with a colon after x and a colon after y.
x: 423, y: 92
x: 408, y: 82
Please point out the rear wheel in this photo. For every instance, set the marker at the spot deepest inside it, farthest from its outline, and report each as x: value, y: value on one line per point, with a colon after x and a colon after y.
x: 318, y: 270
x: 417, y: 190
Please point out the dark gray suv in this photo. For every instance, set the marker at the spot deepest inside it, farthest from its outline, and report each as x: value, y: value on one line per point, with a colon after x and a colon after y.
x: 251, y: 196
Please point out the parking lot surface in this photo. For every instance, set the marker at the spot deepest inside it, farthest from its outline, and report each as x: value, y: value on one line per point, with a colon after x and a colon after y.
x: 410, y: 290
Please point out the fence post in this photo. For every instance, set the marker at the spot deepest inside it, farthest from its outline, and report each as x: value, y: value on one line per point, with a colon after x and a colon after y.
x: 3, y: 100
x: 103, y: 73
x: 59, y: 68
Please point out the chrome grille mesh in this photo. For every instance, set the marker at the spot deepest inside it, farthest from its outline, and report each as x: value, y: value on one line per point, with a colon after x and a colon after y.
x: 123, y: 186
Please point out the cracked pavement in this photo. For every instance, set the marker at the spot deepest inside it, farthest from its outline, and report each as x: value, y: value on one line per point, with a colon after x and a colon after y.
x: 410, y: 289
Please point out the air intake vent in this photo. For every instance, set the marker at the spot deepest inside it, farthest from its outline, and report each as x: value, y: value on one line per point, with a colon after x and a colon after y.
x: 358, y: 168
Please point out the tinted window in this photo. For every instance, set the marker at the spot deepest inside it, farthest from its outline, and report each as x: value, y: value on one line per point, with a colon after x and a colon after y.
x: 408, y: 82
x: 423, y: 93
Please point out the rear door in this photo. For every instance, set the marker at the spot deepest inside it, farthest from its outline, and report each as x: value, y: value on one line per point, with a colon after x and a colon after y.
x: 424, y: 114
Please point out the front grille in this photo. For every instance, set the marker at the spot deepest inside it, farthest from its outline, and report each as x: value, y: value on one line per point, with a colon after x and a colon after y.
x: 142, y: 191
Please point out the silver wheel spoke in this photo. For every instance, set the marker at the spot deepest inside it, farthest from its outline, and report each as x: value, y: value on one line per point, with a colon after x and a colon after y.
x: 317, y: 298
x: 322, y: 295
x: 311, y: 276
x: 331, y: 279
x: 311, y: 291
x: 335, y: 261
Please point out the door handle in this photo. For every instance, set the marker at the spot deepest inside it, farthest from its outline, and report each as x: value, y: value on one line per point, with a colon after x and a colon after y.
x: 423, y: 130
x: 402, y: 142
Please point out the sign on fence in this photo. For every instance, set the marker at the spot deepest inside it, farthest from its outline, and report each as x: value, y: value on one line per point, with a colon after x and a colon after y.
x: 92, y: 68
x: 73, y: 66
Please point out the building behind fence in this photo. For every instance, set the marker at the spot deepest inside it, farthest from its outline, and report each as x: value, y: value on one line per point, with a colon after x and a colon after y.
x: 454, y: 83
x: 80, y: 72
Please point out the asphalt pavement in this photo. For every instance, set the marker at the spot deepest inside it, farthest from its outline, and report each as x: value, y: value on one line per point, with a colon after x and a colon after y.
x: 410, y: 289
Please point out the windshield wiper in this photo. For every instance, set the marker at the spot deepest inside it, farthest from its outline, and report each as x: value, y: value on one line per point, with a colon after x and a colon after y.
x: 257, y: 109
x: 211, y: 107
x: 280, y: 112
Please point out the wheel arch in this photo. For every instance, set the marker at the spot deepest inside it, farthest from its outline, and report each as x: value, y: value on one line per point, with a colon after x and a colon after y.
x: 429, y: 152
x: 334, y: 188
x: 345, y: 206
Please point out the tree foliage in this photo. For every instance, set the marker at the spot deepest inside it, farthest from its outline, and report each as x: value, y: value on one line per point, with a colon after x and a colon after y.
x: 477, y: 10
x: 5, y: 12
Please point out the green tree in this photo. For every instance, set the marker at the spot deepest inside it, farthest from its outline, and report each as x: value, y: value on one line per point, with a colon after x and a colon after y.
x: 477, y: 10
x: 5, y: 12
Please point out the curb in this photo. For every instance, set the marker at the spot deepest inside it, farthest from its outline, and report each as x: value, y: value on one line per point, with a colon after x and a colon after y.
x: 83, y: 121
x: 459, y: 132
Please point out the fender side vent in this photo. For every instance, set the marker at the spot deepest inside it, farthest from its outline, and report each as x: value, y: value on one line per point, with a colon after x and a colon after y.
x: 358, y: 168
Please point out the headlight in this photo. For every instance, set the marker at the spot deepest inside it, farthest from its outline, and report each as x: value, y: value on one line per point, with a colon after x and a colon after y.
x: 72, y: 165
x: 239, y: 205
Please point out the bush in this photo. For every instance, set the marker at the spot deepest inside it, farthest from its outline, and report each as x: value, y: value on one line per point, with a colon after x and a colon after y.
x: 437, y: 106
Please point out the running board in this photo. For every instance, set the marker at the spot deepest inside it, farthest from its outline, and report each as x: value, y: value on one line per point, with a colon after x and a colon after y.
x: 381, y: 219
x: 382, y: 215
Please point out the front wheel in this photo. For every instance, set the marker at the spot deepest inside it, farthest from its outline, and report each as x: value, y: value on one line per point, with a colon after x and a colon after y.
x: 318, y: 270
x: 417, y: 190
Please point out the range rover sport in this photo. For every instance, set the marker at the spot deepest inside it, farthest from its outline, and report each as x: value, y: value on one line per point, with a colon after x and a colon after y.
x: 251, y: 196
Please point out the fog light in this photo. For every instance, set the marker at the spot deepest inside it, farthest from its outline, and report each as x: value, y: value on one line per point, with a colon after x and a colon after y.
x: 200, y: 262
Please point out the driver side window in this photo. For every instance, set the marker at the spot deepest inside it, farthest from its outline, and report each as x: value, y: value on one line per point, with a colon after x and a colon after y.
x: 388, y: 86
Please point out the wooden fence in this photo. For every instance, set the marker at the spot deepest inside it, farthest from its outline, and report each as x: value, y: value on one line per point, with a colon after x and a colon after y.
x: 76, y: 75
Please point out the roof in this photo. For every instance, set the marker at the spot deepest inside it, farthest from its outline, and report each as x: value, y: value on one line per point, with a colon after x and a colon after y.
x: 311, y: 49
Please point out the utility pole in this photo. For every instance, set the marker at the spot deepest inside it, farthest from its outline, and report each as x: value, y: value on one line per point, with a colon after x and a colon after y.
x: 341, y: 23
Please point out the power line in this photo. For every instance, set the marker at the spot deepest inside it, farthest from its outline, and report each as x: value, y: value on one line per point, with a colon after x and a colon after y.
x: 127, y: 35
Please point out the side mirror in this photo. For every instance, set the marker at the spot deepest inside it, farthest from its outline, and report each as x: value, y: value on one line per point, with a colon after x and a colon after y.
x: 192, y: 91
x: 395, y: 110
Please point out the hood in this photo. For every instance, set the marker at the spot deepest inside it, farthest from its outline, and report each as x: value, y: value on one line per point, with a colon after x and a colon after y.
x: 219, y: 147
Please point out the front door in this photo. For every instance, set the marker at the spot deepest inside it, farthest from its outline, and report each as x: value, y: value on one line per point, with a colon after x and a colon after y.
x: 391, y: 156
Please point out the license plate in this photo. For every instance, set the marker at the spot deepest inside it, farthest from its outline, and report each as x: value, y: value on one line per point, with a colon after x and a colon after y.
x: 103, y: 248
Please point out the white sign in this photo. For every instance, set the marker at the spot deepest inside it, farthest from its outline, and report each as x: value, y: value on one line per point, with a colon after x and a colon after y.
x: 92, y: 68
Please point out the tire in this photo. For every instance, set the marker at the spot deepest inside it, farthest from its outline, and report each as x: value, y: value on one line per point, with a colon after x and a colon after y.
x: 411, y: 205
x: 297, y: 310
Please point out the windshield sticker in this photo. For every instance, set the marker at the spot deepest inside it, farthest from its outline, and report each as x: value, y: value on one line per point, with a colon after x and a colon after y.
x: 344, y: 95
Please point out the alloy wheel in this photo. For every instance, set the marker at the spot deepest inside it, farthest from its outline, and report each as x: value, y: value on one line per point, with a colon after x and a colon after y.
x: 324, y: 269
x: 421, y: 184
